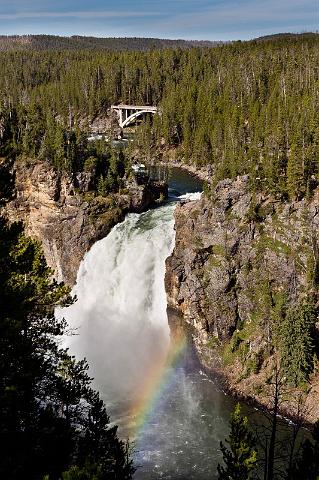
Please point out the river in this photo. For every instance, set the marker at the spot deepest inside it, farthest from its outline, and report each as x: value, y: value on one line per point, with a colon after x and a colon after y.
x: 153, y: 387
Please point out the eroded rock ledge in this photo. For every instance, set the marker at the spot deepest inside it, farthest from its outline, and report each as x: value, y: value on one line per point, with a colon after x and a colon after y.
x: 66, y: 216
x: 236, y: 255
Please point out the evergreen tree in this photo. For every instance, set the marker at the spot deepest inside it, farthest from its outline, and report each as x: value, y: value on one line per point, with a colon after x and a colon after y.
x: 295, y: 172
x: 241, y: 456
x: 297, y: 342
x: 59, y: 149
x: 50, y: 418
x: 307, y: 465
x: 102, y: 186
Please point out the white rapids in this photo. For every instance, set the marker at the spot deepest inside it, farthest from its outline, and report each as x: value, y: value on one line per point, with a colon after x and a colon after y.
x: 119, y: 318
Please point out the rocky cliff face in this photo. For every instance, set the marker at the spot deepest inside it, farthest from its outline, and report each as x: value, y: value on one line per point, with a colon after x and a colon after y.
x: 237, y: 258
x: 65, y: 216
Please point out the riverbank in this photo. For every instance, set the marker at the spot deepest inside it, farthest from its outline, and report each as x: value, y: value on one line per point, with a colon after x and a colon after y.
x: 204, y: 173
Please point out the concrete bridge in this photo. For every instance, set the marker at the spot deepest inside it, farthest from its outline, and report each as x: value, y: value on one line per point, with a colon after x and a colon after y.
x: 129, y: 113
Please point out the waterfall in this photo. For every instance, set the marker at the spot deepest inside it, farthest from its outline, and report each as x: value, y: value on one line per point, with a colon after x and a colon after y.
x: 119, y: 318
x: 120, y: 326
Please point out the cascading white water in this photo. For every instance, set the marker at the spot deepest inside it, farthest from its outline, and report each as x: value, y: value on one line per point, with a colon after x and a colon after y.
x: 122, y: 329
x: 120, y: 314
x: 119, y: 319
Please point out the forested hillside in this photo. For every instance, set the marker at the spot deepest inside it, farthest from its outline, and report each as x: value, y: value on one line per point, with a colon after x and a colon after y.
x: 242, y: 108
x: 53, y: 42
x: 288, y: 36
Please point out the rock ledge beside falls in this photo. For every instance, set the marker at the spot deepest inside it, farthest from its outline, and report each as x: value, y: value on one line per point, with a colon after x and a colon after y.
x: 65, y: 215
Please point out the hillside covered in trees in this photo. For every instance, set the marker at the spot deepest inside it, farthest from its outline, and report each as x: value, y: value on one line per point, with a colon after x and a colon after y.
x: 242, y: 108
x: 77, y: 42
x: 246, y: 109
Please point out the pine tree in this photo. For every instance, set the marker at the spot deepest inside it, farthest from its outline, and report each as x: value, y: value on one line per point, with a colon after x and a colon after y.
x: 59, y: 149
x: 241, y: 456
x: 50, y: 417
x: 297, y: 342
x: 295, y: 172
x: 102, y: 186
x: 307, y: 465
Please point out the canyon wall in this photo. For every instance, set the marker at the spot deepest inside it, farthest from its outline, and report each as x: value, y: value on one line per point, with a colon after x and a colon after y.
x: 238, y: 258
x: 66, y: 215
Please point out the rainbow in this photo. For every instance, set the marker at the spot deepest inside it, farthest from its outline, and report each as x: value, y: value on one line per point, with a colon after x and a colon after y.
x: 158, y: 381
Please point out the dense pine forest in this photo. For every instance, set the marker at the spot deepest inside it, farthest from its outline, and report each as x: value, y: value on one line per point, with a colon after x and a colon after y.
x: 243, y: 108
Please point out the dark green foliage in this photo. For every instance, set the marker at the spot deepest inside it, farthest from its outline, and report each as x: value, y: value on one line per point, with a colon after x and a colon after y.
x: 307, y: 465
x: 297, y: 342
x: 50, y: 418
x: 102, y: 186
x: 284, y: 452
x: 6, y: 182
x: 241, y: 457
x: 88, y: 472
x: 112, y: 171
x: 244, y: 108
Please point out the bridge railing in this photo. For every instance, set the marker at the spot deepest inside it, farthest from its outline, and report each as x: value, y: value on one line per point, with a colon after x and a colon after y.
x: 134, y: 107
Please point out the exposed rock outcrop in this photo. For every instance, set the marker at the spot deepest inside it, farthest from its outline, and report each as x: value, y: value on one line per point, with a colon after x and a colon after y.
x: 65, y: 215
x: 237, y: 256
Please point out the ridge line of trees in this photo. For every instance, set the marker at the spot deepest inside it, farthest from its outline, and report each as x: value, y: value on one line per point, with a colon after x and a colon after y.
x: 242, y: 108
